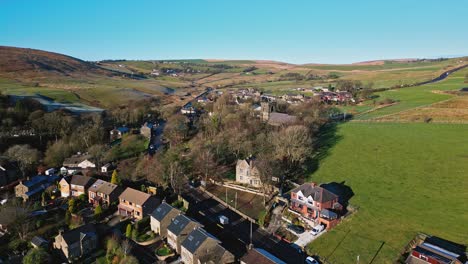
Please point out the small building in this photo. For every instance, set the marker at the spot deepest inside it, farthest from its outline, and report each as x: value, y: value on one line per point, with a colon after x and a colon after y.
x: 77, y: 242
x: 75, y: 186
x: 260, y: 256
x: 136, y: 204
x: 103, y: 193
x: 247, y: 173
x: 118, y: 132
x: 162, y: 217
x: 108, y: 167
x: 39, y: 242
x: 77, y: 163
x: 32, y: 189
x: 435, y: 250
x: 178, y: 230
x: 202, y: 247
x: 317, y: 204
x: 146, y: 129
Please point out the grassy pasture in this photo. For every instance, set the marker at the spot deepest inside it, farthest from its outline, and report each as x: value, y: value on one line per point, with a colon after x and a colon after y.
x: 406, y: 178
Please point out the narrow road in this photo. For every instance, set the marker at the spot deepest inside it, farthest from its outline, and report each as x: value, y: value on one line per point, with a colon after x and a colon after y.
x: 156, y: 135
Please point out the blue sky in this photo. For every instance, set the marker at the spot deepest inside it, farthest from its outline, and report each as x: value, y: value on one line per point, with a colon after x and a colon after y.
x: 332, y: 31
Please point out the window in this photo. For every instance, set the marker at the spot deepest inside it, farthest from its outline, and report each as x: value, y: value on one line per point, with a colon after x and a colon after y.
x: 138, y: 213
x: 93, y: 195
x: 240, y: 178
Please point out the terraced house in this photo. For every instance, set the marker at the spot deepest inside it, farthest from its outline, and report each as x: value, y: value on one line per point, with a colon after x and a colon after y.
x: 202, y: 247
x: 178, y: 231
x: 317, y: 204
x: 162, y: 217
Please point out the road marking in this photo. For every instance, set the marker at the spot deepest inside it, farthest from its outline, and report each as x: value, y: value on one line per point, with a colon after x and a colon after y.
x: 200, y: 212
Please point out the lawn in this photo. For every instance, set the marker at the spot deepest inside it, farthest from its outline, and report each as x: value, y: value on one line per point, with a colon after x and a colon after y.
x: 248, y: 203
x: 406, y: 178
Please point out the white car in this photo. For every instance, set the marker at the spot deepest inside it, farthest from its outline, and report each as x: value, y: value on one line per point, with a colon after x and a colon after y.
x: 317, y: 229
x: 311, y: 260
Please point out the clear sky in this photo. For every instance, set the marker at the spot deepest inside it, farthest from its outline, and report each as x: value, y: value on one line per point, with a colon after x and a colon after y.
x: 322, y: 31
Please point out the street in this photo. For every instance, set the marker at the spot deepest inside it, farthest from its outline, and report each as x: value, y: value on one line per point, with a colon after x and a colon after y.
x: 236, y: 235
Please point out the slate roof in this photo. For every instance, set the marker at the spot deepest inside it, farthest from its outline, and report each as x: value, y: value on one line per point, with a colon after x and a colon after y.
x: 123, y: 129
x: 162, y: 211
x: 178, y: 224
x: 74, y: 235
x: 217, y: 254
x: 134, y: 196
x: 318, y: 193
x: 260, y: 256
x: 195, y: 239
x: 38, y: 241
x: 81, y: 180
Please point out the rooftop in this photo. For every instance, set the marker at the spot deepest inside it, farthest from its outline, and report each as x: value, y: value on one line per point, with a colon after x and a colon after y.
x: 134, y: 196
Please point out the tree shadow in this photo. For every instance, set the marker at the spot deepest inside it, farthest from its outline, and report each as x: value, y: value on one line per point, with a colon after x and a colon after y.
x: 326, y: 139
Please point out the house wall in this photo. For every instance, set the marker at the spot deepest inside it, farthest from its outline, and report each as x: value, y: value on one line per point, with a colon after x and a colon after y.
x: 247, y: 175
x: 77, y: 190
x: 172, y: 241
x: 156, y: 226
x: 187, y: 257
x: 64, y: 188
x: 137, y: 209
x: 86, y: 164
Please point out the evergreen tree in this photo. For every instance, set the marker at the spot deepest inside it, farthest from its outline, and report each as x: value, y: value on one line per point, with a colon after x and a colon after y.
x: 128, y: 232
x: 115, y: 178
x: 98, y: 212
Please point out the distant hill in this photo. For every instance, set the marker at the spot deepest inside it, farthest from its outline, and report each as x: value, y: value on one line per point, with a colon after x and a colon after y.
x: 15, y: 62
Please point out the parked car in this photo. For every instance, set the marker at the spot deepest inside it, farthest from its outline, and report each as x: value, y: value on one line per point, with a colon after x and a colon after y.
x: 311, y: 260
x: 223, y: 220
x: 317, y: 229
x: 297, y: 229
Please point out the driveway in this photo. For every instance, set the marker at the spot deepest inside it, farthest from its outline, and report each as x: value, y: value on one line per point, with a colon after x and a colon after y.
x: 305, y: 238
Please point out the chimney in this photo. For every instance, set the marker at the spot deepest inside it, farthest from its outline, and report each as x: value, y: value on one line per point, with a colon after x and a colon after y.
x: 313, y: 184
x: 61, y: 231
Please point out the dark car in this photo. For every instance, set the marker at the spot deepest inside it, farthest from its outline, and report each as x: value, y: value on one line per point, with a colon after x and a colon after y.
x: 297, y: 229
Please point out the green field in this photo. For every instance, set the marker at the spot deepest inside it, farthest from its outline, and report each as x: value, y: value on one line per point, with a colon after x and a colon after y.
x: 406, y: 178
x: 412, y: 97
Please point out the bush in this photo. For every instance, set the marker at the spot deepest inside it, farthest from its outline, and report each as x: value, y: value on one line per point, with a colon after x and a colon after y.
x: 261, y: 218
x: 39, y: 223
x: 128, y: 232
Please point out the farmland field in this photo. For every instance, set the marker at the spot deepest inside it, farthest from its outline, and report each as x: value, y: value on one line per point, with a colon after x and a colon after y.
x: 406, y: 178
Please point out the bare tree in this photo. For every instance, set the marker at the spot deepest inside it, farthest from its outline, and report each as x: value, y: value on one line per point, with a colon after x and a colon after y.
x: 126, y: 247
x: 26, y: 157
x: 267, y: 170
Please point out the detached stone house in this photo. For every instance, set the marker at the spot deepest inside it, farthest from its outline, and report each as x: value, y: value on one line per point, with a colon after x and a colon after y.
x: 202, y: 247
x: 76, y: 185
x: 77, y: 242
x: 136, y: 204
x: 32, y: 189
x: 162, y: 217
x: 178, y: 230
x: 316, y: 203
x: 247, y: 173
x: 103, y: 193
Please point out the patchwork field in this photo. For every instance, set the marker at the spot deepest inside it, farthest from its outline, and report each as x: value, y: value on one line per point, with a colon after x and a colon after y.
x: 406, y: 178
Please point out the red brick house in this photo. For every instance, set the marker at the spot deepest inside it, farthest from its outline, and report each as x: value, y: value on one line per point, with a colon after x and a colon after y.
x: 135, y: 204
x: 316, y: 203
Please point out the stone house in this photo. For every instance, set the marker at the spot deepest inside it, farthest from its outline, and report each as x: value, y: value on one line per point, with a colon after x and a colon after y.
x: 33, y: 188
x: 136, y: 204
x: 77, y: 242
x: 161, y: 218
x: 202, y: 247
x: 179, y: 229
x: 247, y: 173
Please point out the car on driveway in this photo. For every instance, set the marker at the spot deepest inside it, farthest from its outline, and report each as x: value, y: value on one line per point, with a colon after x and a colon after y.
x: 311, y: 260
x: 297, y: 229
x: 317, y: 229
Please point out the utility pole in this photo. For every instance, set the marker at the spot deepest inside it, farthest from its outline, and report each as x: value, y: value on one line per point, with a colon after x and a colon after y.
x: 251, y: 244
x: 235, y: 204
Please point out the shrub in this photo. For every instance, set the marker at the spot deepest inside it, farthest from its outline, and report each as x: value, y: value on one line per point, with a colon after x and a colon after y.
x: 261, y: 218
x: 128, y: 232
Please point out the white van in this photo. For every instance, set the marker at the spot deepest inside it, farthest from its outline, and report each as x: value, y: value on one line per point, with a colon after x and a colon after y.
x: 317, y: 229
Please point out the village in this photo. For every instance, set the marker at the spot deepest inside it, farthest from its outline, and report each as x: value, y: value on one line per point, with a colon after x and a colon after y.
x: 263, y: 212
